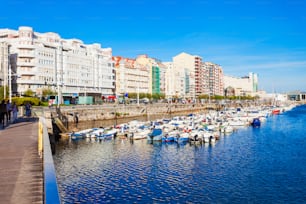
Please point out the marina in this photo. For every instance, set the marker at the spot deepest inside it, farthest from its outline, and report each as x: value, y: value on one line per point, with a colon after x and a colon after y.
x: 253, y: 164
x: 110, y: 102
x: 201, y: 127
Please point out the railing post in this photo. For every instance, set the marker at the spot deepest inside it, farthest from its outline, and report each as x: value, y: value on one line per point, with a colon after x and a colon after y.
x: 40, y: 139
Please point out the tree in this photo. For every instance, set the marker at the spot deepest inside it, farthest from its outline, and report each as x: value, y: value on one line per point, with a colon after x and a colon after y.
x: 29, y: 93
x: 158, y: 96
x: 132, y: 95
x: 2, y: 92
x: 48, y: 92
x: 218, y: 97
x: 205, y: 96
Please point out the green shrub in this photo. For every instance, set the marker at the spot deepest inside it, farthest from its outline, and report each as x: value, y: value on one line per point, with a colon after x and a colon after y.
x: 44, y: 103
x: 22, y: 101
x: 29, y: 93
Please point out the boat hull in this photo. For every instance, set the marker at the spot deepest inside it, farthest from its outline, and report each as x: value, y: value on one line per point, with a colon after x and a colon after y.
x: 155, y: 135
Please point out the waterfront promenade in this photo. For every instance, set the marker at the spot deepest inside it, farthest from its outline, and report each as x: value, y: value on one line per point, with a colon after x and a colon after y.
x: 21, y: 169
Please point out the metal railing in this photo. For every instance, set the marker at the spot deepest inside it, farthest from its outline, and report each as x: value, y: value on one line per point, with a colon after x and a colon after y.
x: 51, y: 194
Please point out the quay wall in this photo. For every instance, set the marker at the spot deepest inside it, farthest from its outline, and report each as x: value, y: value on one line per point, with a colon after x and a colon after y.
x: 90, y: 116
x: 97, y: 116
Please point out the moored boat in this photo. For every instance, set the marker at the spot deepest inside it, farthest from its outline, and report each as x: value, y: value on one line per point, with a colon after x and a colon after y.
x: 139, y: 134
x: 108, y: 134
x: 276, y: 111
x: 168, y: 138
x: 80, y: 134
x: 155, y: 135
x: 256, y: 122
x: 182, y: 137
x: 96, y: 133
x: 227, y: 129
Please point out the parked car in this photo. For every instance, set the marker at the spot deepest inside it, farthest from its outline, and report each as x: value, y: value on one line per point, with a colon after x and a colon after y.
x: 144, y: 100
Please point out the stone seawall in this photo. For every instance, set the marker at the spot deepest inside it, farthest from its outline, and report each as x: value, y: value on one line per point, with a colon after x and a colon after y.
x: 90, y: 116
x: 108, y: 115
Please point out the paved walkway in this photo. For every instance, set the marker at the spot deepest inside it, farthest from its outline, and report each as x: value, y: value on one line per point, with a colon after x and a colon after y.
x: 21, y: 171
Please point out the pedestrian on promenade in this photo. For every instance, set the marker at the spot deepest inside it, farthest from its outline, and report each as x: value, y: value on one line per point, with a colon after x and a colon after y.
x: 50, y: 103
x: 15, y: 112
x: 28, y: 109
x: 8, y: 110
x: 2, y: 112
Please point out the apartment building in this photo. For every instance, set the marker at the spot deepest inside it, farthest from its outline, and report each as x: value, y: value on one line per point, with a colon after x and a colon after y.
x: 183, y: 65
x: 170, y: 82
x: 213, y: 79
x: 68, y: 66
x: 4, y: 63
x: 131, y: 77
x: 157, y: 72
x: 162, y: 77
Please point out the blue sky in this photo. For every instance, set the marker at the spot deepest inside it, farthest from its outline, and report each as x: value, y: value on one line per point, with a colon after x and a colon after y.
x: 267, y: 37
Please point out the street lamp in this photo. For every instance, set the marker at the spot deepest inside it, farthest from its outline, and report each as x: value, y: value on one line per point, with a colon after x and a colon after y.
x: 85, y: 94
x: 3, y: 88
x: 210, y: 94
x: 10, y: 75
x: 239, y: 89
x: 59, y: 93
x: 10, y: 84
x: 138, y: 78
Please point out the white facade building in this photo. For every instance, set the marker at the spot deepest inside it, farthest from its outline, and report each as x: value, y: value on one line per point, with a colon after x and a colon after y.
x: 184, y: 67
x: 70, y: 67
x: 191, y: 77
x: 242, y: 86
x: 4, y: 62
x: 175, y: 81
x: 170, y: 83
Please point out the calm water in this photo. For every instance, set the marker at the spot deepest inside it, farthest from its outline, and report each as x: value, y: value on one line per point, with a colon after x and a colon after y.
x: 262, y: 165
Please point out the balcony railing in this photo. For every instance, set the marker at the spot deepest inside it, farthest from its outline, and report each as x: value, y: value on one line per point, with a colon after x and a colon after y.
x: 25, y: 46
x: 25, y: 64
x: 29, y: 54
x: 26, y: 73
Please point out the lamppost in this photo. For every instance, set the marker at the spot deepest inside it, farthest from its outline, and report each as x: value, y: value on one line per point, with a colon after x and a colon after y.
x: 209, y: 95
x: 10, y: 75
x: 59, y: 93
x: 138, y: 78
x: 10, y: 84
x: 239, y: 96
x: 85, y: 94
x: 1, y: 84
x: 4, y: 89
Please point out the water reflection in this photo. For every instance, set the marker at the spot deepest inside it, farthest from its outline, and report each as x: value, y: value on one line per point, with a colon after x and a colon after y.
x: 130, y: 169
x: 262, y: 165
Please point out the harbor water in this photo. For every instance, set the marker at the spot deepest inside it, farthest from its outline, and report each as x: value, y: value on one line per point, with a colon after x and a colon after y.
x: 252, y: 165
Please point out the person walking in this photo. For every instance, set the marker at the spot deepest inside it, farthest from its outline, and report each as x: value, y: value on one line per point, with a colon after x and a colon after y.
x: 28, y: 109
x: 15, y: 112
x: 2, y: 112
x: 9, y: 111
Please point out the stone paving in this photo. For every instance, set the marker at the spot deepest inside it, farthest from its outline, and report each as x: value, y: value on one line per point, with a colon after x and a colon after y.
x: 21, y: 169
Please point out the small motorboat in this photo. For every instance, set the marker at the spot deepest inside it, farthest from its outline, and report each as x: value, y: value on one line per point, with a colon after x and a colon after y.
x: 168, y: 138
x: 155, y: 135
x: 256, y: 122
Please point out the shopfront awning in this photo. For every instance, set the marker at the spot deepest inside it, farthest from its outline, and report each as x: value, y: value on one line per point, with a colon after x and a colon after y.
x: 111, y: 97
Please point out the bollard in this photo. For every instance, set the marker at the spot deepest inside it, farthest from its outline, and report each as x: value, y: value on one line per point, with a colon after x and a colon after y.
x: 40, y: 139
